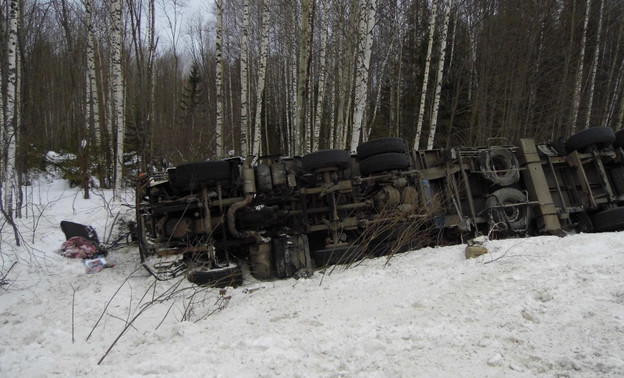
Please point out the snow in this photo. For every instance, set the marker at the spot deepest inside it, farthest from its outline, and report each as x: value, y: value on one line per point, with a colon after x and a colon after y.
x: 541, y: 306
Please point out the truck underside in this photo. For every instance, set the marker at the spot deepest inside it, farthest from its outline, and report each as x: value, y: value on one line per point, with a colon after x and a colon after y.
x: 287, y: 217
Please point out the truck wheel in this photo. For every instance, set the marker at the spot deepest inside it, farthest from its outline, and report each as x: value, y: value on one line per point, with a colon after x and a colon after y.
x: 600, y: 136
x: 381, y: 146
x: 384, y: 162
x: 609, y: 220
x: 220, y: 277
x: 340, y: 255
x: 325, y: 159
x: 191, y: 176
x: 499, y: 165
x: 516, y: 217
x: 619, y: 139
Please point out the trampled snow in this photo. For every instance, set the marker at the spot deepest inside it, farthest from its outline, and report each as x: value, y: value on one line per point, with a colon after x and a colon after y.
x: 541, y: 306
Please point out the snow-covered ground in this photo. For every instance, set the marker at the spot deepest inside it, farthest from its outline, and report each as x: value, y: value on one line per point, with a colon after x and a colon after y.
x: 543, y: 306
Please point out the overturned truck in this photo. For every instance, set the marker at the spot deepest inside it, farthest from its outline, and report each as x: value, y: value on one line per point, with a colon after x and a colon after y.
x: 286, y: 217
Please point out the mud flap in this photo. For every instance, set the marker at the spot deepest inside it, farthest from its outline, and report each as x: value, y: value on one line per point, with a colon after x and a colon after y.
x: 291, y: 255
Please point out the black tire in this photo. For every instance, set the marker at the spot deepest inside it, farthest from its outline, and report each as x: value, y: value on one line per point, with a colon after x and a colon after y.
x: 516, y: 217
x: 325, y: 159
x: 191, y: 176
x: 499, y: 166
x: 384, y: 162
x: 220, y: 277
x: 381, y: 146
x: 619, y: 139
x: 599, y: 136
x: 609, y: 220
x: 340, y: 255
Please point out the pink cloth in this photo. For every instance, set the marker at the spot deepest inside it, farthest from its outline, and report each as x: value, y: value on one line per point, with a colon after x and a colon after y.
x: 78, y: 248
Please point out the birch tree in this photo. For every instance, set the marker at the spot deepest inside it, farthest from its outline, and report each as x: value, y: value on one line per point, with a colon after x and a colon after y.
x: 576, y: 99
x: 219, y: 80
x: 436, y: 99
x: 244, y: 80
x: 592, y: 80
x: 366, y: 25
x: 257, y: 134
x: 423, y: 95
x: 322, y: 74
x: 117, y: 90
x: 92, y: 113
x: 11, y: 193
x: 304, y: 66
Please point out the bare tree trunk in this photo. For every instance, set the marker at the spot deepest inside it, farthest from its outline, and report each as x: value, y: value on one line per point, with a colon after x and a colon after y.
x: 12, y: 102
x: 307, y: 7
x: 93, y: 112
x: 257, y: 134
x: 611, y: 94
x: 295, y: 128
x: 439, y: 79
x: 117, y: 89
x: 322, y: 67
x: 576, y: 99
x: 366, y: 25
x: 244, y: 80
x: 592, y: 80
x: 151, y: 45
x: 423, y: 93
x: 219, y: 80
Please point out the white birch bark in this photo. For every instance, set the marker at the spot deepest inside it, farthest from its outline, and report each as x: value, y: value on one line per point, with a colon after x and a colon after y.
x: 423, y: 94
x: 219, y: 80
x: 366, y: 26
x: 93, y: 114
x: 594, y: 69
x: 117, y: 89
x: 295, y: 128
x: 264, y: 46
x: 439, y: 78
x: 576, y: 99
x: 11, y: 127
x: 321, y: 89
x: 244, y: 80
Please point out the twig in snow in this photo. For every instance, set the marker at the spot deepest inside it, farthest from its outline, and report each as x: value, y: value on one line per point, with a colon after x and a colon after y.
x: 109, y: 302
x: 73, y: 306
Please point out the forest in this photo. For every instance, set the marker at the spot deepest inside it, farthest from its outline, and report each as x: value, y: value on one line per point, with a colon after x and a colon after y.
x: 126, y: 86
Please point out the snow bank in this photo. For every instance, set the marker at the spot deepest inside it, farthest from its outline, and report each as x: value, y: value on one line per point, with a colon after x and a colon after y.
x: 538, y: 306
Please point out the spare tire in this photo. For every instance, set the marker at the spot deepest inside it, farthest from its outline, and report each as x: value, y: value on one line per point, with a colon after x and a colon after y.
x: 599, y: 136
x: 609, y: 220
x: 325, y: 159
x: 516, y: 217
x: 384, y: 162
x: 381, y: 146
x: 499, y: 165
x: 191, y: 176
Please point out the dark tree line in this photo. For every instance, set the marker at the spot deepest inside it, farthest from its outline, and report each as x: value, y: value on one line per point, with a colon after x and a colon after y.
x: 510, y: 69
